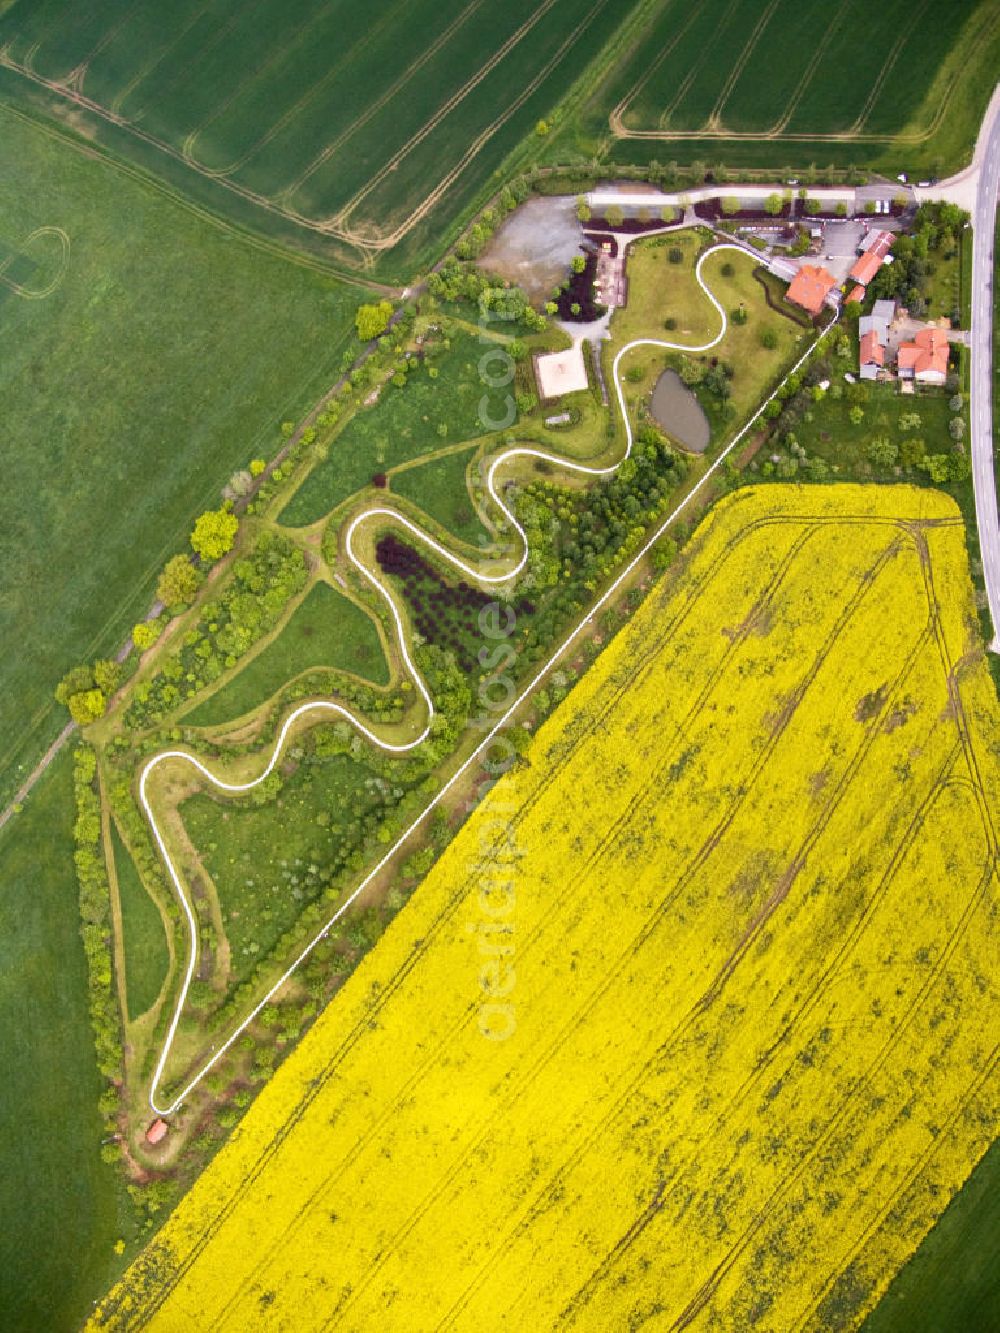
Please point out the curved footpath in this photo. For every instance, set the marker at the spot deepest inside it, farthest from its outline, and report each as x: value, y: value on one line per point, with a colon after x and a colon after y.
x: 338, y: 710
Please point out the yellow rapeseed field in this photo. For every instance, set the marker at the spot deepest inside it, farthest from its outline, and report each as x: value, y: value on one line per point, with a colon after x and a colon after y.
x: 693, y: 1025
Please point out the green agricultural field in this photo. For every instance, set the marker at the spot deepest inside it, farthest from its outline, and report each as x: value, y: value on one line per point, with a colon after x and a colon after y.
x: 440, y: 488
x: 792, y: 82
x: 325, y: 630
x: 346, y: 131
x: 165, y: 358
x: 143, y: 940
x: 439, y: 404
x: 59, y: 1204
x: 952, y: 1283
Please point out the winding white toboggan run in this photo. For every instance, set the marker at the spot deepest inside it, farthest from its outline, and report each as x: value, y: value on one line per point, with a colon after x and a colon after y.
x: 324, y: 706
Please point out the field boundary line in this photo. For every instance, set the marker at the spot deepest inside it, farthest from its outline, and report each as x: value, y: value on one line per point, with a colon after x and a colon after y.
x: 328, y: 150
x: 337, y: 709
x: 459, y: 96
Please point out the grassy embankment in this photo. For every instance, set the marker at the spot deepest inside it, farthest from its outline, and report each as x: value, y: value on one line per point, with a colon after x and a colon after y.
x: 144, y: 943
x: 438, y: 405
x: 326, y: 630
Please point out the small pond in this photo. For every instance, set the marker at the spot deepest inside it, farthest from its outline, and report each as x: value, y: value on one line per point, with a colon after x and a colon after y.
x: 676, y: 410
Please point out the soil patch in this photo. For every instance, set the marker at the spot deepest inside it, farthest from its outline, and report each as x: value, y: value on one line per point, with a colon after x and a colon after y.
x: 535, y: 245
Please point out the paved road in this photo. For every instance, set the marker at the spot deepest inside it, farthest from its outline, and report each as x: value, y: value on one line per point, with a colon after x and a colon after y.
x: 981, y: 398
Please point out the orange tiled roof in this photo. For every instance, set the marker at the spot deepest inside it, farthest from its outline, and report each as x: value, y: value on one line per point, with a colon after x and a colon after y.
x: 927, y: 352
x: 906, y: 358
x: 855, y: 294
x: 809, y: 287
x: 872, y: 351
x: 871, y: 261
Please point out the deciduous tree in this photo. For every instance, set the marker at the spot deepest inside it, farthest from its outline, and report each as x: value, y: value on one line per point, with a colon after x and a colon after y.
x: 179, y: 582
x: 214, y: 534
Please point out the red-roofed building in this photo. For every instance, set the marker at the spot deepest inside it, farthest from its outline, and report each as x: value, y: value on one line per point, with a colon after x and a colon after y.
x: 873, y: 258
x: 810, y: 288
x: 925, y: 359
x: 872, y: 355
x: 855, y: 294
x: 157, y: 1132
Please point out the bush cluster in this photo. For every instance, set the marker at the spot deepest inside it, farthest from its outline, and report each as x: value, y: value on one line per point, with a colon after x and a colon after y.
x: 262, y: 584
x: 95, y: 915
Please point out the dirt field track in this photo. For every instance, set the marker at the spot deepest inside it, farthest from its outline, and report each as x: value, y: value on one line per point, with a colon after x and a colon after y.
x: 798, y: 70
x: 349, y: 122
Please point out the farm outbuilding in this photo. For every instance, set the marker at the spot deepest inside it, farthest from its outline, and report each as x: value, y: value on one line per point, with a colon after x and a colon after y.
x: 157, y: 1131
x: 925, y: 359
x: 876, y: 247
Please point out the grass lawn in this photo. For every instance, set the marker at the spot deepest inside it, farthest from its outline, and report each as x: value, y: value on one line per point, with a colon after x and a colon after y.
x: 660, y: 290
x: 325, y: 630
x: 756, y: 367
x: 145, y: 944
x: 952, y: 1283
x: 404, y: 424
x: 944, y: 284
x: 440, y: 488
x: 59, y: 1204
x: 269, y: 862
x: 832, y: 435
x: 166, y: 358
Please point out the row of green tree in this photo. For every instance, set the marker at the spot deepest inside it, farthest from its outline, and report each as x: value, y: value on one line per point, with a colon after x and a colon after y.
x: 95, y: 923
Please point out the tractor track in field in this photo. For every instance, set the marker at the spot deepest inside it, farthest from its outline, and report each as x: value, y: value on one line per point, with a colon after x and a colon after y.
x: 693, y: 1012
x: 376, y: 30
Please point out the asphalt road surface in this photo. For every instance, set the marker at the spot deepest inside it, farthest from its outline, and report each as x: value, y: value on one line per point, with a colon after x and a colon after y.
x: 981, y: 398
